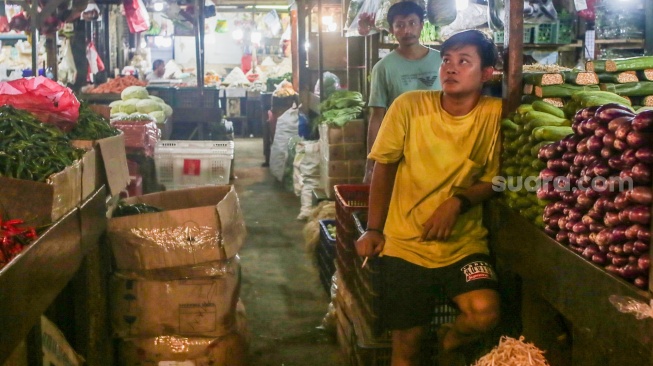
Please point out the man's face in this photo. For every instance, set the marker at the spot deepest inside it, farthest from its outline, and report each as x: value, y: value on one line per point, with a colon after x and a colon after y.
x: 406, y: 29
x: 160, y: 69
x: 461, y: 71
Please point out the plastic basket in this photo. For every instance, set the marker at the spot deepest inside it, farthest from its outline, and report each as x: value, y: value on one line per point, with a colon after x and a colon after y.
x: 325, y: 254
x: 165, y: 93
x: 185, y: 164
x: 566, y: 32
x: 192, y: 98
x: 545, y: 33
x: 499, y: 36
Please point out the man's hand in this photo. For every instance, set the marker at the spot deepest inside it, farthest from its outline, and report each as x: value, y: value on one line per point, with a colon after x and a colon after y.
x: 440, y: 224
x: 370, y: 244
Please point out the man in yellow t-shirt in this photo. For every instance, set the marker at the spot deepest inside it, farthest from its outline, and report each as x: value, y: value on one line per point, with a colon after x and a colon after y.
x: 436, y: 154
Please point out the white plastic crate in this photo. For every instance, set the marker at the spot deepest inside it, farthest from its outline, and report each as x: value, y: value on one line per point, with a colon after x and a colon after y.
x: 185, y: 164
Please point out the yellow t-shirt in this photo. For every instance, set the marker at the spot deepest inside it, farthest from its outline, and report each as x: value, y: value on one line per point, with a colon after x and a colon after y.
x: 439, y: 155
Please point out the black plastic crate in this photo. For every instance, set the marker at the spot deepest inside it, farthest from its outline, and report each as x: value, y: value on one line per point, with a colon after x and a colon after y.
x: 165, y: 93
x: 194, y: 98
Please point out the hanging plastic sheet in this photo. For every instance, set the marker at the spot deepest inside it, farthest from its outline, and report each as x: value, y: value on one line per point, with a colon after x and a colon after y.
x: 364, y: 22
x: 535, y: 12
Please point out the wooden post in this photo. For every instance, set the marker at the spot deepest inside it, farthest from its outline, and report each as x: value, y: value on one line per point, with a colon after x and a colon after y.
x: 295, y: 45
x: 51, y: 51
x: 512, y: 55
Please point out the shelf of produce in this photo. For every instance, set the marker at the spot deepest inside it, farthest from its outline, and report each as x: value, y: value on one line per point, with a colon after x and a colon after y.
x: 30, y: 282
x: 576, y: 288
x: 100, y: 98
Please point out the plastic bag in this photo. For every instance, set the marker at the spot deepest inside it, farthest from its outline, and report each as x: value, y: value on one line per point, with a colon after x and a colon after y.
x: 95, y: 63
x: 331, y: 83
x: 364, y: 22
x: 49, y: 101
x: 535, y: 12
x: 473, y: 16
x: 352, y: 11
x: 306, y: 175
x: 138, y: 19
x: 441, y: 12
x: 626, y: 304
x: 286, y: 128
x: 67, y: 71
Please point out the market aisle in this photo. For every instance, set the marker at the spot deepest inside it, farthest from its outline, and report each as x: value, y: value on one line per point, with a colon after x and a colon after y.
x: 281, y: 291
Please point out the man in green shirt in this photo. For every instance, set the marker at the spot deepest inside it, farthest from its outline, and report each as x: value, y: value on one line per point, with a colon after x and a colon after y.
x: 412, y: 66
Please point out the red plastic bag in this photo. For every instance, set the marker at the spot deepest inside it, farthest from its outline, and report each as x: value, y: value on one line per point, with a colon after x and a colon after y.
x: 47, y: 100
x: 588, y: 14
x: 138, y: 19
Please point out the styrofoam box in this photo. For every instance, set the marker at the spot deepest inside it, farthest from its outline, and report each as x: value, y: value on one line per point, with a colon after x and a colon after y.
x: 185, y: 164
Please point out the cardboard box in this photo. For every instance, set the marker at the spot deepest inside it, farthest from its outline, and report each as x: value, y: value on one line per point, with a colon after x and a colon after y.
x: 352, y: 132
x: 204, y: 307
x: 91, y: 175
x: 56, y: 350
x: 42, y: 203
x: 342, y: 168
x: 198, y: 225
x: 353, y: 151
x: 111, y: 161
x: 228, y: 350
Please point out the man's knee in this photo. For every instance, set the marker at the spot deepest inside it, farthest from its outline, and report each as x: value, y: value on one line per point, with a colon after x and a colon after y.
x: 482, y: 309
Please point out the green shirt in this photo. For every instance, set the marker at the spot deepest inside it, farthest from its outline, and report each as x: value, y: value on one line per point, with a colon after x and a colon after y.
x: 394, y: 75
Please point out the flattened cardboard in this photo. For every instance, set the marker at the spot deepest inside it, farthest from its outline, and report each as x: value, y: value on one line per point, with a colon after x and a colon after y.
x: 216, y: 207
x: 112, y: 161
x: 56, y: 349
x: 91, y: 175
x: 204, y: 307
x: 41, y: 203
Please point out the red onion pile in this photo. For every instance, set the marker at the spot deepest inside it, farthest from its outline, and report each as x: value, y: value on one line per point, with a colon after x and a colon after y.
x: 600, y: 189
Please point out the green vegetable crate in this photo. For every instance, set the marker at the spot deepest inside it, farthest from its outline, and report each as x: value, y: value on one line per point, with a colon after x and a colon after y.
x: 498, y: 36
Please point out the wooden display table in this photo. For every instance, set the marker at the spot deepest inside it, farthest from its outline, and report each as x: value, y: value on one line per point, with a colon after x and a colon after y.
x: 565, y: 306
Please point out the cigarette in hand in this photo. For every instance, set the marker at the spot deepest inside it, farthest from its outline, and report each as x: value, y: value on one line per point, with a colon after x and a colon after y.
x: 365, y: 262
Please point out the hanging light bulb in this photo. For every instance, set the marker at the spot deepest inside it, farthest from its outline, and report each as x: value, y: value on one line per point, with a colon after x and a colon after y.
x: 158, y: 6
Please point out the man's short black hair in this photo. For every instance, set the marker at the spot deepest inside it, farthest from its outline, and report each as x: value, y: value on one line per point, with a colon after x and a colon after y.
x: 156, y: 64
x: 405, y: 8
x: 486, y: 48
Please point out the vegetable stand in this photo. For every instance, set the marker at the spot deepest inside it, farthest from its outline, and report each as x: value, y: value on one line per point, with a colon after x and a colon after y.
x: 575, y: 288
x: 32, y: 281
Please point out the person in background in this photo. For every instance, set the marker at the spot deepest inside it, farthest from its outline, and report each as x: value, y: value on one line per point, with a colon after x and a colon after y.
x: 158, y: 70
x: 436, y: 154
x: 411, y: 66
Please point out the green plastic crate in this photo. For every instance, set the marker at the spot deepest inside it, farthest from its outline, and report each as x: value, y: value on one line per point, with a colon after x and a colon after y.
x: 566, y: 32
x: 498, y: 36
x: 545, y: 33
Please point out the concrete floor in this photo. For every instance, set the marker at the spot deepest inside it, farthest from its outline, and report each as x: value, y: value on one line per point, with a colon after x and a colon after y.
x: 281, y: 290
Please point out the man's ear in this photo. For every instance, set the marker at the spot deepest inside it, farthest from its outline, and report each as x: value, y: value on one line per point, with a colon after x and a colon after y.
x: 487, y: 73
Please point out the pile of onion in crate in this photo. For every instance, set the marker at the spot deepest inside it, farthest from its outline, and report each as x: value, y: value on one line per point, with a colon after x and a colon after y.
x: 598, y: 182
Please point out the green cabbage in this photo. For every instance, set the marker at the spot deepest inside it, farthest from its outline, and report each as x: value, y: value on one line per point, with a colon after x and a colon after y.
x: 134, y: 92
x: 147, y: 106
x: 129, y: 106
x: 156, y: 99
x: 166, y: 109
x: 115, y: 103
x: 159, y: 116
x: 118, y: 115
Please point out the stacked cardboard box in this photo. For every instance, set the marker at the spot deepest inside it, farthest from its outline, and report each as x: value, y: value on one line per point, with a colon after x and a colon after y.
x: 178, y: 279
x: 344, y: 153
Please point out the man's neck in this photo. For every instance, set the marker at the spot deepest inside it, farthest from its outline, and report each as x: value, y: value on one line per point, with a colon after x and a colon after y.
x: 412, y: 52
x: 459, y: 105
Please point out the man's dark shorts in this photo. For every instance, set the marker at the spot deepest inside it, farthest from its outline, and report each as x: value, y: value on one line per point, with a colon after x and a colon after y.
x: 409, y: 292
